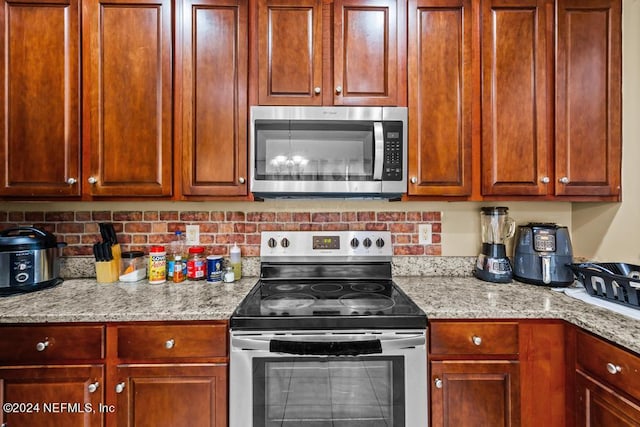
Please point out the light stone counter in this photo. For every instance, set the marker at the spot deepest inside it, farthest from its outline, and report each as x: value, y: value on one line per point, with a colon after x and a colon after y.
x: 84, y: 300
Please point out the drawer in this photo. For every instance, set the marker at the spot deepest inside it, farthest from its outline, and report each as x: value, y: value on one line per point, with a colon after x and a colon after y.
x: 460, y: 338
x: 30, y: 344
x: 171, y: 341
x: 611, y: 364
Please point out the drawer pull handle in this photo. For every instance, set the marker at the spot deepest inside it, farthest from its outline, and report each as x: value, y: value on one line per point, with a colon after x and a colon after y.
x: 476, y: 340
x: 613, y: 369
x: 169, y: 344
x: 438, y: 383
x: 42, y: 345
x: 93, y: 387
x: 119, y: 388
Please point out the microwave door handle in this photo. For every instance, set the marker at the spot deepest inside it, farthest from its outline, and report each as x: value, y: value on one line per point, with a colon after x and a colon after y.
x: 378, y: 155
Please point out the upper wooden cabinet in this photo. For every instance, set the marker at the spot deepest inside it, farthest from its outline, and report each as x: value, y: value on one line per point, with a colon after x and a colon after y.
x: 127, y: 90
x: 349, y: 52
x: 516, y: 96
x: 212, y: 86
x: 440, y: 98
x: 40, y: 93
x: 588, y: 98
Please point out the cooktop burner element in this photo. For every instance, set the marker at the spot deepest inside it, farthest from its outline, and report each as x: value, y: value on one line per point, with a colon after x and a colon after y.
x: 326, y: 280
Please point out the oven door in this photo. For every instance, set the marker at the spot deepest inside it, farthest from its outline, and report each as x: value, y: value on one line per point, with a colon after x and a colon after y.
x: 328, y: 379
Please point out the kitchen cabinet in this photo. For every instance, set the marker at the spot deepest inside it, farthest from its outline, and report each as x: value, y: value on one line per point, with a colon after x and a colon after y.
x: 40, y: 112
x: 52, y: 375
x: 213, y: 90
x: 345, y: 52
x: 127, y: 97
x: 588, y: 98
x: 606, y: 383
x: 440, y: 97
x: 169, y: 374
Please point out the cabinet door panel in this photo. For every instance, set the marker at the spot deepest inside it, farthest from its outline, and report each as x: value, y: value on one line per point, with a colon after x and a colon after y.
x: 515, y: 136
x: 172, y: 395
x: 366, y: 40
x: 475, y: 393
x: 40, y: 113
x: 214, y: 97
x: 440, y: 97
x: 290, y: 52
x: 600, y: 406
x: 127, y: 81
x: 62, y: 395
x: 588, y: 101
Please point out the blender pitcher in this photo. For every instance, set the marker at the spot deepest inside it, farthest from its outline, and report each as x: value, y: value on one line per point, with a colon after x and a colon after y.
x: 492, y: 264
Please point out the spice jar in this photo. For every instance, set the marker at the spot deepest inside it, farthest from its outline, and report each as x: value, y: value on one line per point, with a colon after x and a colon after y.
x: 157, y: 265
x: 196, y: 264
x: 178, y: 270
x: 228, y: 275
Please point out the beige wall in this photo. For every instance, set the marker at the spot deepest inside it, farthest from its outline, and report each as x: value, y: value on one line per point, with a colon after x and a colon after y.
x: 600, y: 231
x: 611, y: 231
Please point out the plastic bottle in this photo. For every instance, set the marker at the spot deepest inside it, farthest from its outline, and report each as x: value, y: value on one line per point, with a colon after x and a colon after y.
x: 235, y: 259
x: 157, y: 265
x: 196, y: 263
x: 176, y: 247
x: 178, y: 272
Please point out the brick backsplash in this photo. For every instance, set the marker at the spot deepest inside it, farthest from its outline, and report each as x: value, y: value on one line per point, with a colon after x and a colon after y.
x: 138, y: 230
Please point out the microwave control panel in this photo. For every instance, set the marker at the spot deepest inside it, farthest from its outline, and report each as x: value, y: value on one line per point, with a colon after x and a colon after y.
x: 392, y: 165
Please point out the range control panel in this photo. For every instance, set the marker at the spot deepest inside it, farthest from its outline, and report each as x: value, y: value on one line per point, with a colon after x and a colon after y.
x: 326, y: 244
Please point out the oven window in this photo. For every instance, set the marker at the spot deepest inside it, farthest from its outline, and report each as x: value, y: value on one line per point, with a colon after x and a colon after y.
x: 314, y: 150
x: 333, y: 391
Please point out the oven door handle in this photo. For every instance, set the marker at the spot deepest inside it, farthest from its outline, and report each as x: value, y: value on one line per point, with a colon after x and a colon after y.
x: 378, y: 156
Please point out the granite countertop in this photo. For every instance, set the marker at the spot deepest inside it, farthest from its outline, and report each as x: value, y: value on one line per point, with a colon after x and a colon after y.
x: 84, y: 300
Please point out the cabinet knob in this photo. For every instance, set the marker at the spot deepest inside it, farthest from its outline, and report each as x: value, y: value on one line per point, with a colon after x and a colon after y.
x: 169, y: 344
x: 545, y: 180
x: 241, y: 180
x: 476, y: 340
x: 613, y: 369
x: 93, y: 387
x: 317, y: 91
x: 92, y: 180
x: 71, y: 181
x: 564, y: 180
x: 438, y: 383
x: 42, y: 345
x: 338, y: 89
x: 120, y: 387
x: 414, y: 180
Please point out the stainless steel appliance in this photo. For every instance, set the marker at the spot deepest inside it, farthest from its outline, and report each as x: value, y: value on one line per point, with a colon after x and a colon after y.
x: 328, y: 151
x: 28, y: 260
x: 326, y: 338
x: 543, y: 254
x: 492, y: 264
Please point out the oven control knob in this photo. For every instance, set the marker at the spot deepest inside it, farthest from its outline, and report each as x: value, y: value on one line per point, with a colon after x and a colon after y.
x: 355, y: 242
x: 285, y: 242
x: 379, y: 242
x: 367, y: 242
x: 272, y: 243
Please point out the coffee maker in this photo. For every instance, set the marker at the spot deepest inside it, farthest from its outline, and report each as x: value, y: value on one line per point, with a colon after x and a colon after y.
x: 492, y: 264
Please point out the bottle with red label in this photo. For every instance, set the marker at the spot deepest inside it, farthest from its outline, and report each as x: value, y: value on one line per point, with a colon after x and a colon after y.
x: 196, y: 263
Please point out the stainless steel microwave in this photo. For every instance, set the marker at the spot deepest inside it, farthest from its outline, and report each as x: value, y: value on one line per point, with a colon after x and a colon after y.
x: 341, y: 152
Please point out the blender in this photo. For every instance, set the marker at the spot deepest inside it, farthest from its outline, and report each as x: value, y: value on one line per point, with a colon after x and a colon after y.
x: 492, y: 264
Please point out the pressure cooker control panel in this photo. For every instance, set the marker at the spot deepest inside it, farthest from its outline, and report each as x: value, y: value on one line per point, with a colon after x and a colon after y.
x: 21, y: 265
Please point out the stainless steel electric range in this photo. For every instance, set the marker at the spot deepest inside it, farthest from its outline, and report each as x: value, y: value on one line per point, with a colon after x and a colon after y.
x: 326, y: 338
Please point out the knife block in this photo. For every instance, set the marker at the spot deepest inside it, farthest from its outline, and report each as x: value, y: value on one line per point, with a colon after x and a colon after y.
x: 107, y: 271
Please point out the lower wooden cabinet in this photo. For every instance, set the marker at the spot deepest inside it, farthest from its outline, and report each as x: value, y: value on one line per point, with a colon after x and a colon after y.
x: 601, y: 406
x: 52, y: 396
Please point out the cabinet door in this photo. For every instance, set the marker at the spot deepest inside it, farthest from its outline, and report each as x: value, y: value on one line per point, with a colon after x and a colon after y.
x: 172, y: 395
x: 600, y: 406
x: 369, y: 50
x: 475, y: 393
x: 40, y: 112
x: 290, y: 52
x: 214, y: 98
x: 127, y: 66
x: 440, y: 97
x: 515, y: 97
x: 588, y: 98
x: 55, y: 396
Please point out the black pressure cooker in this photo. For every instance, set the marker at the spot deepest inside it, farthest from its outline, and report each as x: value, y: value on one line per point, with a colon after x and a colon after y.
x: 29, y: 260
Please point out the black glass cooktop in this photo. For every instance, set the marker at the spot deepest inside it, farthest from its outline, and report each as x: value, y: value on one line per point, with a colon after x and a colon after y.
x: 314, y: 304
